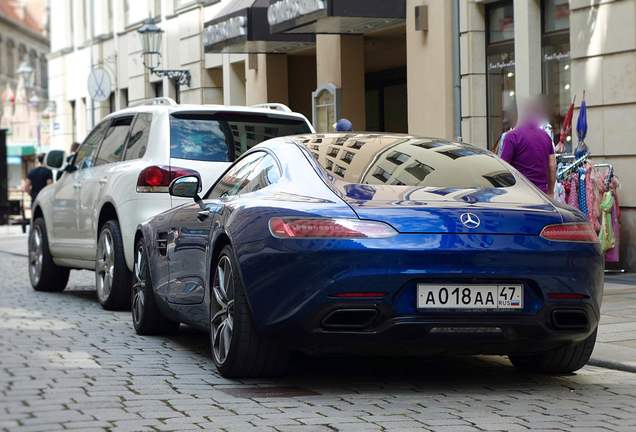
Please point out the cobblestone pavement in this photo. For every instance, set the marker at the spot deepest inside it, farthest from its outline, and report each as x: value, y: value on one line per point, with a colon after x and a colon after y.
x: 66, y: 364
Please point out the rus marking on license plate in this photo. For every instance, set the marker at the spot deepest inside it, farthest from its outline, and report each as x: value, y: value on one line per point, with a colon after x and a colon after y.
x: 488, y: 297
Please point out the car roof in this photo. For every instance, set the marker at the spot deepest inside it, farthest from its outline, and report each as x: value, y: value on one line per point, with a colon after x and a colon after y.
x: 204, y: 108
x: 380, y: 139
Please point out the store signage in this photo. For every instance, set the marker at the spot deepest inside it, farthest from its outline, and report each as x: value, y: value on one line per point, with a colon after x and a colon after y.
x: 225, y: 30
x: 501, y: 65
x: 556, y: 56
x: 287, y: 10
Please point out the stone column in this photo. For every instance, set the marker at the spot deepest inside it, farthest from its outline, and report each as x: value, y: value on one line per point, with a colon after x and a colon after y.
x: 340, y: 61
x: 472, y: 27
x: 528, y: 60
x: 234, y: 79
x: 430, y: 70
x: 266, y: 79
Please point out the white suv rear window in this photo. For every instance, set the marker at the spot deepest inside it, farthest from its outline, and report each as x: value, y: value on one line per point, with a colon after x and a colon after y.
x: 222, y: 137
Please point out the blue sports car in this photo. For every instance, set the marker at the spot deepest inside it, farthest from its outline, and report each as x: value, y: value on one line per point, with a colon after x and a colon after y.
x: 371, y: 243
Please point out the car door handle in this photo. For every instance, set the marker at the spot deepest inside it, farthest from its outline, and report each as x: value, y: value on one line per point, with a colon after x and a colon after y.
x: 77, y: 185
x: 103, y: 180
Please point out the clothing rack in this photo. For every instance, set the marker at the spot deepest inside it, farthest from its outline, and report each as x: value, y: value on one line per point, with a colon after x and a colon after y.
x: 610, y: 174
x: 574, y: 165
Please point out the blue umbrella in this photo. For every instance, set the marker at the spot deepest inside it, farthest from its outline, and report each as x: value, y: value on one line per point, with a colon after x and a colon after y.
x: 581, y: 129
x: 581, y: 123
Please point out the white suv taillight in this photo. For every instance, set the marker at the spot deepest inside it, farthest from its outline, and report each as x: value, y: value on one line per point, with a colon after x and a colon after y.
x: 328, y: 228
x: 157, y: 178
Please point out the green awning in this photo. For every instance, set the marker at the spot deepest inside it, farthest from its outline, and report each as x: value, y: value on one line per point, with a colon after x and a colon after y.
x: 20, y: 150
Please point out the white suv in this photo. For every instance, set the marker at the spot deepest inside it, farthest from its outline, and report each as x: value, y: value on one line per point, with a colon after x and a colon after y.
x: 119, y: 177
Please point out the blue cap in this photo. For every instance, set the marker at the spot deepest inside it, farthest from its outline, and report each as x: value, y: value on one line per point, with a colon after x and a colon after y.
x: 344, y: 125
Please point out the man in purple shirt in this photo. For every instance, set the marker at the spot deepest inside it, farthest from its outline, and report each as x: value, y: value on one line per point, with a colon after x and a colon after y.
x: 529, y: 149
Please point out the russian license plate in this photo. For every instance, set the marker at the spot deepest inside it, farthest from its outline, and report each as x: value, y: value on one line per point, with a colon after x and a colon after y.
x: 492, y: 297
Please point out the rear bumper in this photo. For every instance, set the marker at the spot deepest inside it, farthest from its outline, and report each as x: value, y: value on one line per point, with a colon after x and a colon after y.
x: 465, y: 333
x: 133, y: 212
x: 291, y: 287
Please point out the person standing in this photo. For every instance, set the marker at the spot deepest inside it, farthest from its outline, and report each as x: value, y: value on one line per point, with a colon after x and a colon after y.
x: 530, y: 150
x: 38, y: 178
x: 69, y: 159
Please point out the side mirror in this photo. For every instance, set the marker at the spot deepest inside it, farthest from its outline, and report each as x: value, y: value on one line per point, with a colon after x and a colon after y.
x: 55, y: 159
x: 70, y: 166
x: 186, y: 187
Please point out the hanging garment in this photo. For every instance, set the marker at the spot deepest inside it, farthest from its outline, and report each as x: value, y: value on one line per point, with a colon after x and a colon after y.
x: 559, y: 192
x: 594, y: 188
x: 572, y: 198
x: 613, y: 255
x: 606, y: 235
x: 582, y: 193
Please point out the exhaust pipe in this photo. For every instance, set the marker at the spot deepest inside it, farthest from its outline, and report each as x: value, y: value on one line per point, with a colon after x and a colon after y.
x: 569, y: 319
x: 349, y: 318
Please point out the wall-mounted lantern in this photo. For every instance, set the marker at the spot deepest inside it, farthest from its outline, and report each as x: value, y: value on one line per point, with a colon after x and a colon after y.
x: 150, y: 35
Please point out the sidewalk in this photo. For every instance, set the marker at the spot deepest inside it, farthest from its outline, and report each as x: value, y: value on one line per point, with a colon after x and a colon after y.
x: 616, y: 343
x: 12, y: 240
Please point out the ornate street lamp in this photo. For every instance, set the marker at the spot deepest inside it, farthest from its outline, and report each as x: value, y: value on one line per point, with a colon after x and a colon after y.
x: 150, y: 35
x: 25, y: 71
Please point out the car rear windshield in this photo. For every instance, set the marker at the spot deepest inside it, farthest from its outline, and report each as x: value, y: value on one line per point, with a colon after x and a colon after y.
x: 399, y: 160
x: 222, y: 137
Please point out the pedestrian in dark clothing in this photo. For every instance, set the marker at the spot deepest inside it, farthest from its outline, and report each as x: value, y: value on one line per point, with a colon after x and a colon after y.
x: 529, y: 149
x: 38, y: 178
x: 69, y: 159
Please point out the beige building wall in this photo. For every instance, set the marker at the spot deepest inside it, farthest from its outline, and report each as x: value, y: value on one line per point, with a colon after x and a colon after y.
x: 472, y: 28
x: 528, y: 59
x: 267, y: 79
x: 603, y: 41
x: 430, y: 70
x: 340, y: 61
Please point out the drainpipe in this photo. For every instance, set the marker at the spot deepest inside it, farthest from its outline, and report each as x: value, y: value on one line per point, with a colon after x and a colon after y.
x: 457, y: 82
x: 91, y: 46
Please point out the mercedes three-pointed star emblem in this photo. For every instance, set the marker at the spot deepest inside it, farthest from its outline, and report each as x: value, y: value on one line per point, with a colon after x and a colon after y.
x: 470, y: 220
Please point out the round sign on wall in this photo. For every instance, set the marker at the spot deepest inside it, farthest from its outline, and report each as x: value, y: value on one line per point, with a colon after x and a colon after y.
x: 99, y: 84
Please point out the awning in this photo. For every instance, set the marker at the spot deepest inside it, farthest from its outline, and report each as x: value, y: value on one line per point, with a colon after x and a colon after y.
x: 19, y: 150
x: 242, y: 27
x: 334, y: 16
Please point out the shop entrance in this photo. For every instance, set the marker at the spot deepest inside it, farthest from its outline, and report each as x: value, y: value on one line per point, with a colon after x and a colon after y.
x: 386, y: 101
x: 385, y: 81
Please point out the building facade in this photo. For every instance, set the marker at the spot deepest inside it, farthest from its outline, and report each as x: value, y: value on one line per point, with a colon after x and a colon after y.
x: 445, y: 68
x: 24, y: 47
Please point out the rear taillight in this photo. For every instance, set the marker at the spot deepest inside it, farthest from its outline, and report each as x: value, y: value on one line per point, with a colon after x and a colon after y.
x: 157, y: 178
x: 328, y: 228
x: 570, y: 232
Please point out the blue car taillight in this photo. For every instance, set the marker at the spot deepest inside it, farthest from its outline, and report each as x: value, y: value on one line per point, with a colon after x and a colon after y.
x: 288, y: 228
x: 570, y: 232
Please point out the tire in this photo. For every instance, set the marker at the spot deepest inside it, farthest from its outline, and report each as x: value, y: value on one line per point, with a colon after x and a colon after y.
x: 44, y: 274
x: 561, y: 360
x: 112, y: 277
x: 146, y: 316
x: 248, y: 354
